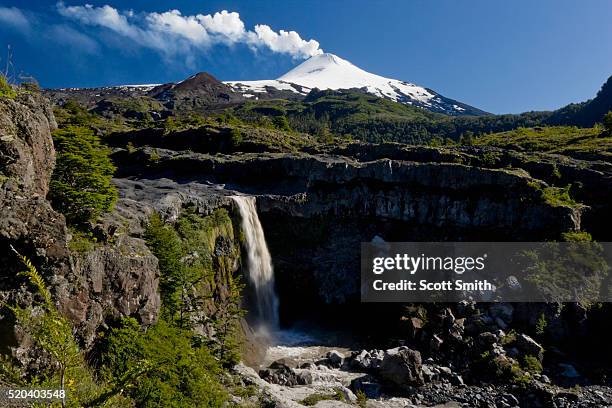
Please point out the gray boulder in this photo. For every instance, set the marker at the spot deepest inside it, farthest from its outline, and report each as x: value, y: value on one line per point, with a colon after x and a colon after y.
x: 335, y: 358
x: 402, y: 367
x: 529, y: 346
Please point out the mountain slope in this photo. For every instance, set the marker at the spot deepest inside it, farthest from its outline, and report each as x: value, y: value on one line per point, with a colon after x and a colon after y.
x: 328, y: 71
x: 587, y: 113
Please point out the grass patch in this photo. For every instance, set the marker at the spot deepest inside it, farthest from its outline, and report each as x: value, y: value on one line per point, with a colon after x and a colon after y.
x: 577, y: 236
x: 6, y: 89
x: 81, y: 242
x: 566, y: 140
x: 532, y: 365
x: 558, y: 196
x: 313, y: 399
x: 362, y: 399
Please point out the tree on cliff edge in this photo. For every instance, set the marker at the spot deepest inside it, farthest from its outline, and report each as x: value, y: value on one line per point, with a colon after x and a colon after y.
x: 81, y: 186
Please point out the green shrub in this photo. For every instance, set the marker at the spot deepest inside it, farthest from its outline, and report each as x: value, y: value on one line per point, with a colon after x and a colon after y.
x: 236, y: 137
x: 81, y: 186
x: 607, y: 122
x: 165, y: 244
x: 532, y: 365
x: 81, y: 242
x: 187, y: 281
x: 558, y: 197
x: 281, y: 123
x: 313, y: 399
x: 541, y: 325
x: 6, y: 90
x: 577, y: 236
x: 173, y: 372
x: 51, y: 333
x: 362, y: 399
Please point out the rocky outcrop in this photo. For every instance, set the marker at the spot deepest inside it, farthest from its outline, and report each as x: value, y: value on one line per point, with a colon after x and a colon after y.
x: 117, y: 277
x: 27, y: 220
x: 402, y: 367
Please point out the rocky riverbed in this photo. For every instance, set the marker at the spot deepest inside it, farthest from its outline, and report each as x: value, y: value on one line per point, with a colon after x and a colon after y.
x: 301, y: 370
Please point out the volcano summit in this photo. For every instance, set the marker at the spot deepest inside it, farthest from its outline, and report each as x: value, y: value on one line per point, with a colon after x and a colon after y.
x: 328, y: 71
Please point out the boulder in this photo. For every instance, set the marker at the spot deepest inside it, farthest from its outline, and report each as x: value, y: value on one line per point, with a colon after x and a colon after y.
x: 284, y: 376
x: 402, y: 367
x: 335, y: 358
x: 412, y: 326
x: 435, y: 343
x: 361, y: 361
x: 486, y: 340
x: 529, y: 346
x: 283, y: 363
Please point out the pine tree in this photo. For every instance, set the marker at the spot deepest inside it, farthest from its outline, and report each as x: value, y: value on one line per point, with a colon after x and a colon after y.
x: 81, y: 186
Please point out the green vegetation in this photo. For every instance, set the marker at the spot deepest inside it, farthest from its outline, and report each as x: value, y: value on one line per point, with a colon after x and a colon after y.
x: 574, y: 271
x: 166, y: 366
x: 189, y: 278
x: 313, y: 399
x: 81, y: 242
x: 72, y: 113
x: 607, y: 122
x: 369, y: 118
x: 52, y: 335
x: 577, y: 236
x: 509, y: 338
x: 541, y: 325
x: 532, y: 365
x: 81, y: 186
x: 362, y: 399
x: 172, y: 366
x: 566, y: 140
x: 501, y: 368
x: 6, y: 90
x: 558, y: 196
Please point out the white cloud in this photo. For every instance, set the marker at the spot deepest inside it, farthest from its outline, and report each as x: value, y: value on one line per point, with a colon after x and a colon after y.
x: 228, y: 26
x: 75, y: 39
x: 173, y: 23
x: 286, y: 42
x: 14, y: 17
x: 173, y: 33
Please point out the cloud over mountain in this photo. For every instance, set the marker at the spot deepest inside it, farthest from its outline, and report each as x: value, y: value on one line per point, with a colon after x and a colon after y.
x: 14, y: 17
x: 171, y: 32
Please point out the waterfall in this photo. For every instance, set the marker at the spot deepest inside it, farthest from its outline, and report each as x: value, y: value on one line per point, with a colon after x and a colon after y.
x: 259, y: 263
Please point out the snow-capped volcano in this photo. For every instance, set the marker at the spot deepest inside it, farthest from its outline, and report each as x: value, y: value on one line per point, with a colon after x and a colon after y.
x: 328, y: 71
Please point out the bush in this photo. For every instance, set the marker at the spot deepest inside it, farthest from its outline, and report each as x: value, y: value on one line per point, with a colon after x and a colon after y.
x: 541, y: 324
x: 577, y: 236
x: 81, y: 186
x: 236, y: 137
x: 165, y: 243
x: 313, y: 399
x: 607, y: 122
x: 558, y: 197
x: 176, y: 373
x: 187, y: 281
x: 6, y: 90
x: 532, y: 365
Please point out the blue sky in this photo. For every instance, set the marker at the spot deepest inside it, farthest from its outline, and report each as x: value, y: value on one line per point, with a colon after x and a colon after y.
x: 498, y: 56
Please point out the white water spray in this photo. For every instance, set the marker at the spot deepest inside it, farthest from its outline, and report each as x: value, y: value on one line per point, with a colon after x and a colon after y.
x: 259, y: 262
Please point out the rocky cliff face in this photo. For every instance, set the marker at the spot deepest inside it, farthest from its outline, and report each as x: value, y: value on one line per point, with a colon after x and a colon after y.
x: 118, y: 277
x: 318, y: 206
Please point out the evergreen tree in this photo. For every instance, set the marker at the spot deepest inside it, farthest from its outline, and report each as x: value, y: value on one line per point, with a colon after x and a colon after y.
x: 607, y: 122
x: 81, y: 186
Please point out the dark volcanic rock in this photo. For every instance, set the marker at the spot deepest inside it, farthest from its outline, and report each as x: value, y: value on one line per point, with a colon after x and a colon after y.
x: 198, y: 91
x: 402, y: 368
x: 117, y: 279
